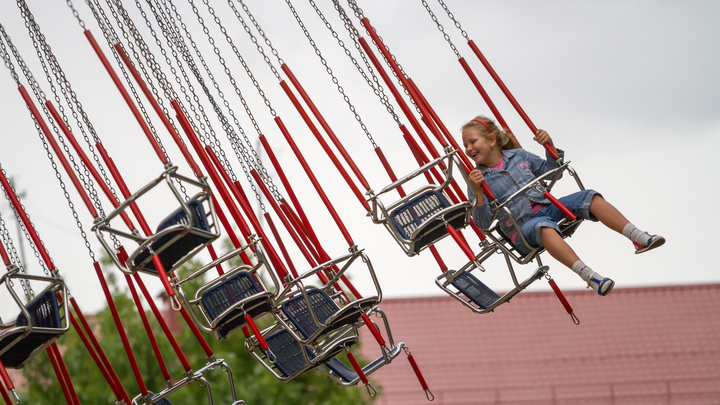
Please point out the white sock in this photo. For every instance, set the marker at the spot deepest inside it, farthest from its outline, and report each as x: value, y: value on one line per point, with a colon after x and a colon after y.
x: 636, y: 235
x: 585, y: 272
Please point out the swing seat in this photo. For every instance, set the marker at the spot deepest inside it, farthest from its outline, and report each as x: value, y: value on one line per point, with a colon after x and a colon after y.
x: 21, y: 345
x: 329, y: 315
x: 422, y: 220
x: 475, y: 290
x: 175, y: 244
x: 347, y: 376
x: 289, y: 358
x: 221, y: 302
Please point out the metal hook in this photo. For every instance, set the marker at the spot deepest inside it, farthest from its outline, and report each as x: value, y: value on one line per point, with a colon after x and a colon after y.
x: 175, y: 303
x: 270, y: 355
x: 371, y: 390
x: 575, y: 319
x: 429, y: 395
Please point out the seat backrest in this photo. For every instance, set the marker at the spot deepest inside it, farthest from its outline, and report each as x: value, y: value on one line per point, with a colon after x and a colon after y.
x: 180, y: 217
x: 44, y: 311
x: 225, y: 294
x: 410, y: 215
x: 297, y: 312
x: 288, y: 357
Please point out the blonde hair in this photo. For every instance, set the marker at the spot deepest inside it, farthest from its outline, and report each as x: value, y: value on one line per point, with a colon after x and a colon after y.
x: 488, y: 128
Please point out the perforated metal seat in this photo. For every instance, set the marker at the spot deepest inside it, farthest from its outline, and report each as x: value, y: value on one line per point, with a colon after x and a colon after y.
x: 219, y: 302
x: 21, y: 342
x: 174, y: 245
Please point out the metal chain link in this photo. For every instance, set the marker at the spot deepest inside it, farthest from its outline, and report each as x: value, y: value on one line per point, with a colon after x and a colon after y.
x: 14, y: 258
x: 329, y: 71
x: 112, y: 38
x: 43, y: 50
x: 258, y: 28
x: 452, y: 17
x: 360, y: 15
x: 376, y: 85
x: 40, y: 98
x: 242, y: 150
x: 6, y: 57
x: 441, y: 28
x: 76, y: 14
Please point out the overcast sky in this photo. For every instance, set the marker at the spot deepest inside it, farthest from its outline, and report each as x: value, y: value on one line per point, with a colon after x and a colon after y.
x: 629, y: 89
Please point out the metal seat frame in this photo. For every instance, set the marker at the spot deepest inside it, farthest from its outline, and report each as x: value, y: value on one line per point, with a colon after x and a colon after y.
x: 381, y: 213
x: 322, y: 351
x: 22, y: 332
x: 264, y: 300
x: 358, y: 306
x: 102, y: 226
x: 190, y: 377
x: 387, y: 356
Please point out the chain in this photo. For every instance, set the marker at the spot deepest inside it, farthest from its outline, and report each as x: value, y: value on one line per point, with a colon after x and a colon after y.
x: 441, y: 28
x: 452, y: 17
x: 14, y: 258
x: 41, y: 46
x: 375, y: 84
x: 258, y: 28
x: 76, y: 14
x: 359, y: 14
x: 330, y: 71
x: 41, y: 97
x: 112, y: 39
x: 6, y: 57
x: 155, y: 67
x: 242, y: 150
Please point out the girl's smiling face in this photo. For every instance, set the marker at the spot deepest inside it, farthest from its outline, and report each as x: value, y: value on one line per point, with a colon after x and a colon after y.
x: 479, y: 148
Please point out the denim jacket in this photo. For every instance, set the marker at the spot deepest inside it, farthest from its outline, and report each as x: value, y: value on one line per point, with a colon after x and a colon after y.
x: 519, y: 168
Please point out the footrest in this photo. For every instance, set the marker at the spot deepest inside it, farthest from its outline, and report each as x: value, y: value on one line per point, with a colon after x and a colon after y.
x: 475, y: 290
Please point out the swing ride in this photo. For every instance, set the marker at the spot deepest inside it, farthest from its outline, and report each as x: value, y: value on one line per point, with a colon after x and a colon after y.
x: 314, y: 315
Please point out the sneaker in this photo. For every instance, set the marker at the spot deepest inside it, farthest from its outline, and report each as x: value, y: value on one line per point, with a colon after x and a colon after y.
x: 602, y: 286
x: 653, y: 242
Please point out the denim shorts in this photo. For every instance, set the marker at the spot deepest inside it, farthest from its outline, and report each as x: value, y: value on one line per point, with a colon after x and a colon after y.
x: 578, y: 203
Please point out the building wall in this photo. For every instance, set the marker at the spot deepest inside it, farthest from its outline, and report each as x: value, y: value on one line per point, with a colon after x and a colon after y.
x: 657, y: 345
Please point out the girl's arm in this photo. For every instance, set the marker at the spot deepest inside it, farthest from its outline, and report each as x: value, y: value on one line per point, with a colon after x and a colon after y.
x: 539, y: 165
x: 481, y: 213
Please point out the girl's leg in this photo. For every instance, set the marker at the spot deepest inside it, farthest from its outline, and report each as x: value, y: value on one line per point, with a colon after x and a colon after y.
x: 557, y: 247
x: 608, y: 214
x: 562, y: 252
x: 613, y: 219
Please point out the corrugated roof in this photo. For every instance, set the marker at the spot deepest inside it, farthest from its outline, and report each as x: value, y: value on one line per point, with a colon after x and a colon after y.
x: 634, y: 343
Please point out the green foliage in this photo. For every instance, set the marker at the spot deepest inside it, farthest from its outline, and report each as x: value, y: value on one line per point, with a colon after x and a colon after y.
x: 253, y: 383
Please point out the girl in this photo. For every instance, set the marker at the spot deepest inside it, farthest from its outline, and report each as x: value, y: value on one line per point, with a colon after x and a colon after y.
x: 505, y: 167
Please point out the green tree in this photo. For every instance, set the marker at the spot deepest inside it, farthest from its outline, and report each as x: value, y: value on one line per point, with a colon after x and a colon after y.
x: 253, y: 382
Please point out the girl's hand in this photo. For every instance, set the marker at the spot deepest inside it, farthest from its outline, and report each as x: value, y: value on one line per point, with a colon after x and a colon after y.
x: 542, y: 137
x: 477, y: 179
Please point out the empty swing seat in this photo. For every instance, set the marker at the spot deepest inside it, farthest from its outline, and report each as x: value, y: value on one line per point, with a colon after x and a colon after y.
x: 222, y: 297
x: 326, y: 311
x: 169, y: 251
x: 419, y: 213
x: 289, y: 359
x: 44, y: 313
x: 475, y: 290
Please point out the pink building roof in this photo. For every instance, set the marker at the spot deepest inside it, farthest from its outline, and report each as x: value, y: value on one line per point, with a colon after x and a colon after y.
x: 634, y: 346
